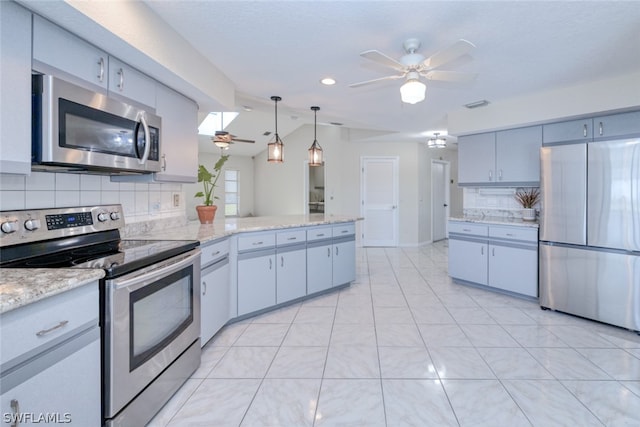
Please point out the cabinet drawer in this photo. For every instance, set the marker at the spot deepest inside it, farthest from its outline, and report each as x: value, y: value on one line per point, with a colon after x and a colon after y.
x: 319, y: 233
x: 253, y: 241
x: 214, y: 251
x: 514, y: 233
x: 344, y: 230
x: 290, y: 237
x: 468, y: 228
x: 27, y: 328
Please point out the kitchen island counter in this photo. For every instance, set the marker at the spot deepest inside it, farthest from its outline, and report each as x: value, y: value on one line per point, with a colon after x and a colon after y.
x: 223, y: 227
x: 495, y: 220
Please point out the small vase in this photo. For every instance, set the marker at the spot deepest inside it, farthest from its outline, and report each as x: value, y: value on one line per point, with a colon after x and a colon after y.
x: 206, y: 213
x: 529, y: 214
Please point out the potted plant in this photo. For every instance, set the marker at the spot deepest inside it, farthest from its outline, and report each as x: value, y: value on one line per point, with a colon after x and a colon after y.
x: 528, y: 199
x: 207, y: 211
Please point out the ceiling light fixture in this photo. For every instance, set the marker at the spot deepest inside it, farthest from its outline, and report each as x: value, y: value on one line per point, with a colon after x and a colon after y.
x: 437, y: 142
x: 328, y: 81
x: 315, y: 152
x: 275, y: 152
x: 412, y: 91
x: 217, y: 139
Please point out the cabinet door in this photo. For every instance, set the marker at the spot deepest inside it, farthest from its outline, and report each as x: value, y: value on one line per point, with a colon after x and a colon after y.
x: 291, y: 275
x: 570, y: 131
x: 256, y: 283
x: 55, y: 49
x: 476, y: 158
x: 130, y: 84
x: 319, y: 268
x: 514, y: 269
x: 214, y: 302
x: 179, y: 137
x: 69, y: 391
x: 617, y: 125
x: 518, y: 155
x: 15, y: 96
x: 344, y: 262
x: 468, y: 261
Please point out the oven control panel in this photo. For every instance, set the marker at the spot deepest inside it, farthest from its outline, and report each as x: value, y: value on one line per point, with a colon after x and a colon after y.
x: 26, y: 226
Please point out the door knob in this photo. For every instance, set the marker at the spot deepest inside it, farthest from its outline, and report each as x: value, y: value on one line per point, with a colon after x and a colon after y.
x: 445, y: 205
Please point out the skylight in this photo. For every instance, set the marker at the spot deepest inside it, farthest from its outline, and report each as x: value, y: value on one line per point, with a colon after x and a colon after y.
x: 215, y: 120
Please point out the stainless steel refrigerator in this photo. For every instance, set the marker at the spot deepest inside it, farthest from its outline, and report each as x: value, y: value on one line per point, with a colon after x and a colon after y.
x: 590, y: 230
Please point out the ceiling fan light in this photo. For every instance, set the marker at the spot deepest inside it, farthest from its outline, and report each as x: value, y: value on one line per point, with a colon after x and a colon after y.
x: 221, y: 144
x: 412, y: 91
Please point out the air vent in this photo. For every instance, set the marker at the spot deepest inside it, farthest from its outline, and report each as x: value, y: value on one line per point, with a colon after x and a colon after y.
x: 336, y: 123
x: 477, y: 104
x: 267, y: 133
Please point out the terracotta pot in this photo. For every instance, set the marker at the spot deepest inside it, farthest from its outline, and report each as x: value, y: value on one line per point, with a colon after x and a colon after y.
x: 206, y: 213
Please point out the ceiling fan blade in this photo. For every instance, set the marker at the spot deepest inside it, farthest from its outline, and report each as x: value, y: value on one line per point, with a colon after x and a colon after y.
x: 381, y: 58
x: 450, y: 76
x: 250, y: 141
x: 375, y: 81
x: 456, y: 50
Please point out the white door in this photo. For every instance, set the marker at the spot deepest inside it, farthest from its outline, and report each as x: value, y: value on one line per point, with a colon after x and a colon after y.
x: 439, y: 199
x: 379, y: 190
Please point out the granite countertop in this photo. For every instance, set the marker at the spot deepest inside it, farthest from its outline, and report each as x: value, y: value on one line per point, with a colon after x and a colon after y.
x: 204, y: 233
x: 22, y: 286
x: 496, y: 220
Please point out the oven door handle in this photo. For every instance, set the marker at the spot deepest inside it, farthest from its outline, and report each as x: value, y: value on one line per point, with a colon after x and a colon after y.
x: 138, y: 280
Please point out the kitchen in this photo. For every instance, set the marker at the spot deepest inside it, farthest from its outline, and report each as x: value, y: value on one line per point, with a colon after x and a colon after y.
x: 149, y: 207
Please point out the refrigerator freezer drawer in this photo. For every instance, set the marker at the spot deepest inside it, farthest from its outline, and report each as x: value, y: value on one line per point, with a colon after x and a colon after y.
x: 598, y: 285
x: 613, y: 207
x: 563, y: 187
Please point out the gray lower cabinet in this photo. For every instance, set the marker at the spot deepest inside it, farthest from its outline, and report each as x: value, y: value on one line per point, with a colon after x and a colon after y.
x: 291, y: 273
x: 50, y: 359
x: 501, y: 257
x: 319, y: 266
x: 215, y: 288
x: 256, y: 280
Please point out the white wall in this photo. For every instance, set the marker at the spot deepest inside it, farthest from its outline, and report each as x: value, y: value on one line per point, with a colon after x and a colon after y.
x: 279, y: 187
x: 605, y: 95
x: 244, y: 164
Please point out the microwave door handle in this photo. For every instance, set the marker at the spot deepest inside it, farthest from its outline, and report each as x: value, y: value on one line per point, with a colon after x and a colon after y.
x: 147, y: 141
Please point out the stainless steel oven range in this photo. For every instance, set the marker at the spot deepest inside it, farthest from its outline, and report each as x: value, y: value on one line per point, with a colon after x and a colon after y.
x: 149, y: 299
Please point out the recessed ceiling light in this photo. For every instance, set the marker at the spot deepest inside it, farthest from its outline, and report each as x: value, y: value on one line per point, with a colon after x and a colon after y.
x: 328, y: 81
x: 477, y: 104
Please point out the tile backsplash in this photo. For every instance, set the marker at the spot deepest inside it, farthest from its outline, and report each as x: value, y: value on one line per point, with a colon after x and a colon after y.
x: 491, y: 202
x: 140, y: 201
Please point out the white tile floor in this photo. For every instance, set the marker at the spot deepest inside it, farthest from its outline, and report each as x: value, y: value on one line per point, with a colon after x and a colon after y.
x: 404, y: 346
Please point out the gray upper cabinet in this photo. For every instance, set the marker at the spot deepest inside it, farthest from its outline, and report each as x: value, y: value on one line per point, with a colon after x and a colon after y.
x: 621, y: 125
x: 15, y: 95
x: 616, y: 126
x: 131, y: 84
x: 56, y: 50
x: 505, y: 158
x: 567, y: 132
x: 518, y: 155
x: 476, y: 158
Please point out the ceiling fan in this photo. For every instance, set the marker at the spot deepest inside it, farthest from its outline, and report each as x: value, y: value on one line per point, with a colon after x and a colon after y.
x: 223, y: 138
x: 413, y: 65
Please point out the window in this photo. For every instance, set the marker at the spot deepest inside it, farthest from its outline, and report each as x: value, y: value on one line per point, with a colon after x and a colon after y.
x: 231, y: 196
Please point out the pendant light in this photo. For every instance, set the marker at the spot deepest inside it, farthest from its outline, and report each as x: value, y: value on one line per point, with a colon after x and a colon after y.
x: 275, y: 153
x: 315, y: 152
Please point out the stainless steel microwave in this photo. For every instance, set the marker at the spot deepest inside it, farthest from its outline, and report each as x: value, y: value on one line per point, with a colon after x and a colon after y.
x: 76, y: 129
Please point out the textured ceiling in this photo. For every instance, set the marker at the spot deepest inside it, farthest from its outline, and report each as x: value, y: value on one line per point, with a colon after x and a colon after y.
x: 284, y: 48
